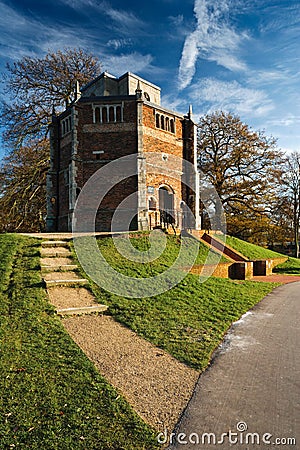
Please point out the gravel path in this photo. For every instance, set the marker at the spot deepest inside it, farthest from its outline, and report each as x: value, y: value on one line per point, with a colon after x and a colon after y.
x: 66, y: 297
x: 155, y: 384
x: 55, y: 262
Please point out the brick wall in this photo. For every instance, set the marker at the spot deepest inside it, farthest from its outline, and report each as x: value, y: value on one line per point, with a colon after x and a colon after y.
x: 221, y: 270
x: 111, y: 141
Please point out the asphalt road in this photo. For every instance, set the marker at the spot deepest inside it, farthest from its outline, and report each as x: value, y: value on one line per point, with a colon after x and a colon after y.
x: 249, y: 398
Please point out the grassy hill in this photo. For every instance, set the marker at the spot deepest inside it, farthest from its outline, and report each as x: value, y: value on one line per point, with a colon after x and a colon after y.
x: 290, y: 267
x: 253, y: 252
x: 249, y: 250
x: 188, y: 320
x: 52, y: 397
x: 120, y: 260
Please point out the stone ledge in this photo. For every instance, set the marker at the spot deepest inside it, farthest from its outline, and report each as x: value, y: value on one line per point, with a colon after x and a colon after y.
x: 55, y: 252
x: 74, y: 282
x: 59, y: 268
x: 47, y: 244
x: 81, y: 310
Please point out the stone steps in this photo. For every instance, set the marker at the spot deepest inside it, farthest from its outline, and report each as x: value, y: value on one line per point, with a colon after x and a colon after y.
x: 64, y: 274
x: 64, y: 282
x: 55, y: 243
x: 59, y: 268
x: 55, y: 252
x: 82, y: 310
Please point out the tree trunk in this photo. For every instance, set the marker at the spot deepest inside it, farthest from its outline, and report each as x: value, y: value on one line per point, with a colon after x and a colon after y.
x: 296, y: 226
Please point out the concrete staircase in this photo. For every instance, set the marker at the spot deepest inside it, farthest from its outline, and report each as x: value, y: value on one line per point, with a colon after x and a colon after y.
x: 64, y: 284
x: 220, y: 247
x: 241, y: 268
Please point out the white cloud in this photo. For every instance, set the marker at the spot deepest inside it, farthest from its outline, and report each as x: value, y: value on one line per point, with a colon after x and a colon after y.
x: 231, y: 96
x: 228, y: 61
x: 79, y: 4
x: 125, y: 22
x: 213, y: 39
x: 289, y: 120
x: 119, y: 43
x: 189, y: 57
x: 176, y: 20
x: 270, y: 76
x: 280, y: 17
x: 133, y: 62
x: 26, y: 35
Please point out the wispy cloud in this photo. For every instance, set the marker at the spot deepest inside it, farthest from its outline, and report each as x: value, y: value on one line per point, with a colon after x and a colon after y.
x: 124, y: 21
x: 188, y: 60
x: 282, y: 16
x: 28, y: 35
x: 179, y: 28
x: 289, y: 120
x: 230, y: 96
x: 214, y: 39
x: 133, y: 62
x: 117, y: 44
x: 79, y: 4
x: 176, y: 20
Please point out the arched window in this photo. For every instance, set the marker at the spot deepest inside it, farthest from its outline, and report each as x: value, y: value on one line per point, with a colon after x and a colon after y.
x: 111, y: 114
x: 108, y: 113
x: 97, y: 115
x: 152, y: 203
x: 172, y: 126
x: 167, y: 124
x: 104, y: 115
x: 118, y: 114
x: 157, y: 120
x: 166, y: 205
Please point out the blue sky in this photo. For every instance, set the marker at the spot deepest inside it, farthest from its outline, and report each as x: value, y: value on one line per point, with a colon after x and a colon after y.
x: 241, y: 56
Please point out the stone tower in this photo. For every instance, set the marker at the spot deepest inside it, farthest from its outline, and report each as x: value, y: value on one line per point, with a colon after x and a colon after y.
x: 111, y: 118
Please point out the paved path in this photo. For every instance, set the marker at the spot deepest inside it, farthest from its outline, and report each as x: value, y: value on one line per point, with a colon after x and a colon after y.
x: 254, y: 381
x: 277, y: 278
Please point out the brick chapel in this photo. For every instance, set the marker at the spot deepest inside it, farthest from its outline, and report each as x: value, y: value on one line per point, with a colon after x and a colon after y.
x: 114, y: 117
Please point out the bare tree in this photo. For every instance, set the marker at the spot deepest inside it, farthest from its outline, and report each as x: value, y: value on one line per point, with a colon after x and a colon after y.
x: 290, y: 180
x: 22, y: 188
x: 36, y: 86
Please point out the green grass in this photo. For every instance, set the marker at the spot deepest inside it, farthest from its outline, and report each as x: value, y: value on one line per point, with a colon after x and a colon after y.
x: 52, y: 397
x: 188, y: 321
x: 291, y: 267
x: 165, y: 260
x: 249, y: 250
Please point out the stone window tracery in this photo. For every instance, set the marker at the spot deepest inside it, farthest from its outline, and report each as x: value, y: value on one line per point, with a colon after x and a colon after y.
x: 108, y: 113
x: 66, y: 125
x: 165, y: 122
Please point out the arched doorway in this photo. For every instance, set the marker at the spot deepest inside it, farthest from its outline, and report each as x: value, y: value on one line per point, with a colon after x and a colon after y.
x: 166, y: 206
